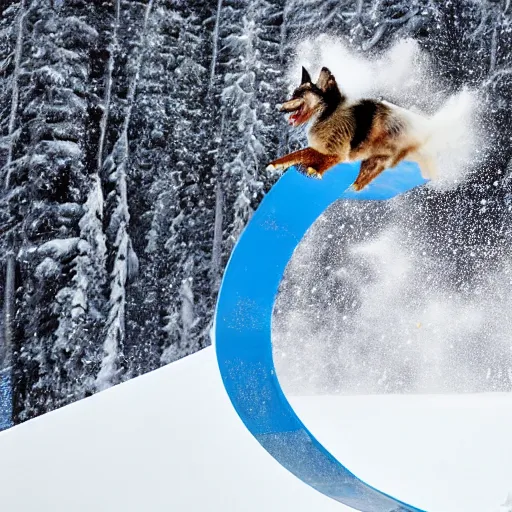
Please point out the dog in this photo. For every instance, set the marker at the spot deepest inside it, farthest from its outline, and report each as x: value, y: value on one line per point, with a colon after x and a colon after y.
x: 378, y: 133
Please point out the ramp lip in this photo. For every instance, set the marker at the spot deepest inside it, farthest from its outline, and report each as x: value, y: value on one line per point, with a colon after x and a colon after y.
x: 242, y: 326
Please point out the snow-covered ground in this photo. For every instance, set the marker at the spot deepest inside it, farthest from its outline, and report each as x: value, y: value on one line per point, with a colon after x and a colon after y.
x: 166, y: 441
x: 170, y: 440
x: 442, y: 453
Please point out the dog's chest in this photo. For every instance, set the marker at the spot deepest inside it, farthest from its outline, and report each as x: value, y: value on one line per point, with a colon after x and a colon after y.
x: 332, y: 135
x: 320, y: 136
x: 317, y: 139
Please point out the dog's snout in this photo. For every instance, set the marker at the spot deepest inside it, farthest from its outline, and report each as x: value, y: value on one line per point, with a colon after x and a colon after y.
x: 291, y: 105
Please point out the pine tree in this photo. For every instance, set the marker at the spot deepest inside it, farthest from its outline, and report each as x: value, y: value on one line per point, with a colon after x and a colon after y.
x: 150, y: 195
x: 11, y: 40
x: 188, y: 234
x: 55, y: 215
x: 252, y: 72
x: 123, y: 259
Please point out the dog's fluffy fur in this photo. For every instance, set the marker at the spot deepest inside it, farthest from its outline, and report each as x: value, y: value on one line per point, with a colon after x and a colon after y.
x: 378, y: 133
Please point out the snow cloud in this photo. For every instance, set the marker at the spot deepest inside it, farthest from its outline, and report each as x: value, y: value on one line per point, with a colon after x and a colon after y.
x: 367, y: 304
x: 367, y: 307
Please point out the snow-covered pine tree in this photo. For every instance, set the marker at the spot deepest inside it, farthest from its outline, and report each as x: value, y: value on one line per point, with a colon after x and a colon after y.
x: 189, y: 226
x: 151, y: 195
x: 251, y: 84
x: 242, y: 152
x: 11, y: 39
x: 168, y: 157
x: 122, y: 259
x: 270, y: 79
x: 59, y: 257
x: 266, y: 20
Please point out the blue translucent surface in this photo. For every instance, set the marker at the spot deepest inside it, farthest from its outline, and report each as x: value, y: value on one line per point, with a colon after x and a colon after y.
x: 243, y: 325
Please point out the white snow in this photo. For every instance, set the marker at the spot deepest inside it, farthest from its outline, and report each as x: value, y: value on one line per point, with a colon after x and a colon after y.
x: 50, y: 75
x: 441, y: 453
x: 48, y: 268
x: 404, y: 71
x: 410, y: 321
x: 58, y: 248
x: 170, y: 440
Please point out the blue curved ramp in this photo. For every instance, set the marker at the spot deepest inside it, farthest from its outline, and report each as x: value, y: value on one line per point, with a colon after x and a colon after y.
x: 243, y: 325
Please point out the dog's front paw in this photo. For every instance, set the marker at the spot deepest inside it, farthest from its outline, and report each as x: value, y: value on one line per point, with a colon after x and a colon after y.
x: 312, y: 173
x: 272, y: 167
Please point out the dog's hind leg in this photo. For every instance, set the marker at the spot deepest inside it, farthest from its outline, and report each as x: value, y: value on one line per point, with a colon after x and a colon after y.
x: 427, y: 164
x: 370, y: 169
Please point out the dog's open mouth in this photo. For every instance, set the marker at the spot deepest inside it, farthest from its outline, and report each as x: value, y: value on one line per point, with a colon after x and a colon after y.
x: 297, y: 117
x: 297, y: 110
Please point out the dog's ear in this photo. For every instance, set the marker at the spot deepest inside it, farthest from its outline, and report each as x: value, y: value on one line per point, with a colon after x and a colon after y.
x: 326, y: 80
x: 306, y: 79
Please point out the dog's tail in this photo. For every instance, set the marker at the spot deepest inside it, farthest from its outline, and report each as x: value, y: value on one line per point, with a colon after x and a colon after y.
x: 445, y: 140
x: 449, y: 138
x: 450, y: 126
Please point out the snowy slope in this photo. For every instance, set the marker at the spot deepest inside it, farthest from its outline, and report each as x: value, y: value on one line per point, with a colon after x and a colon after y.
x: 165, y: 442
x: 442, y: 453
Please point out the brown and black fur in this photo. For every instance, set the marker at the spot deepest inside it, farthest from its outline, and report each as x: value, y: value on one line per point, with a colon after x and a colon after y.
x: 372, y: 131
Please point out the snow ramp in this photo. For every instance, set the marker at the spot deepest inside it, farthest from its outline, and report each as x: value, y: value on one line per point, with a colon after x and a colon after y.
x: 243, y: 325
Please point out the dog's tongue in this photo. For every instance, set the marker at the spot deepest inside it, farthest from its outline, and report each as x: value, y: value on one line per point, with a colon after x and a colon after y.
x: 292, y: 120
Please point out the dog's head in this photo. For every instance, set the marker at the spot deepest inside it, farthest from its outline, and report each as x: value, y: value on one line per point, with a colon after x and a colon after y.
x: 310, y: 99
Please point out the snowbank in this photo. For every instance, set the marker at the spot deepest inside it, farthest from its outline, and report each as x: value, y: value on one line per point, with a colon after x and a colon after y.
x: 442, y: 453
x: 169, y: 440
